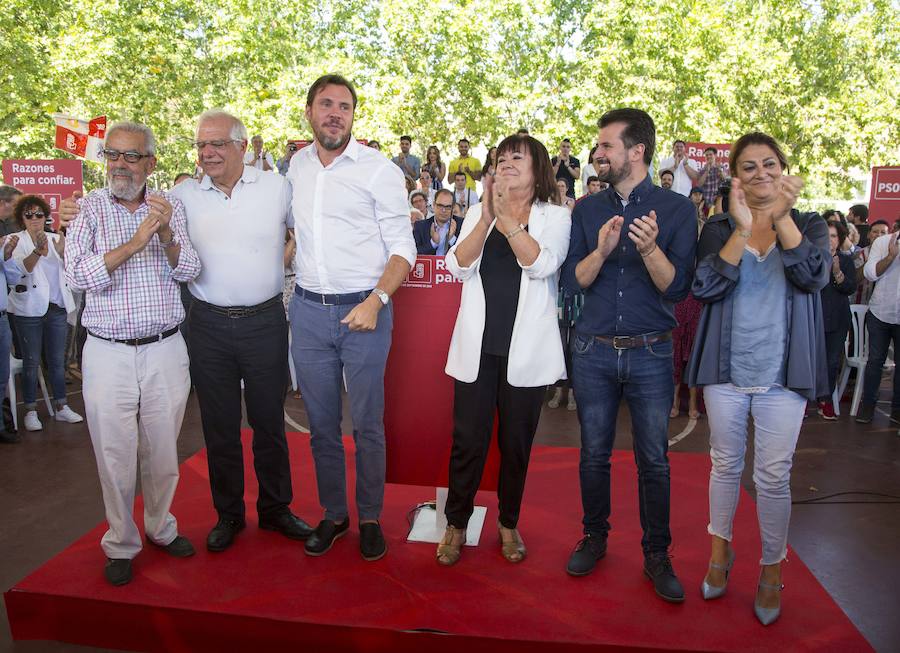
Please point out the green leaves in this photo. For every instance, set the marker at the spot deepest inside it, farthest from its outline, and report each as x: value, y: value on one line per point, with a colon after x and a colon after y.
x: 822, y: 77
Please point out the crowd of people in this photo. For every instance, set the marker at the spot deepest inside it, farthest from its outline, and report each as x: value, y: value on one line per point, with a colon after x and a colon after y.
x: 710, y: 278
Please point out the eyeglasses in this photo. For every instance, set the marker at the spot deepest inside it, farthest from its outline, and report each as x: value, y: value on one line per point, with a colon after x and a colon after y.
x: 31, y: 215
x: 131, y: 156
x: 446, y: 207
x: 217, y: 144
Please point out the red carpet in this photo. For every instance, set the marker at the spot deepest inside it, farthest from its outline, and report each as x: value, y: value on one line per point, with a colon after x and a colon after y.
x: 265, y: 594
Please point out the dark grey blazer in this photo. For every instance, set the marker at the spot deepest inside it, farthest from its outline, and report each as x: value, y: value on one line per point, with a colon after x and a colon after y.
x: 806, y: 267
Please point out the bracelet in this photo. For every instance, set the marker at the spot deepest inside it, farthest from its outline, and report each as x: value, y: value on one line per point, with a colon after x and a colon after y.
x: 648, y: 253
x: 515, y: 231
x: 745, y: 233
x: 167, y: 244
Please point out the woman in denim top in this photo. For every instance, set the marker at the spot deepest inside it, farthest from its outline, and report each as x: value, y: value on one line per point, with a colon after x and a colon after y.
x: 760, y: 351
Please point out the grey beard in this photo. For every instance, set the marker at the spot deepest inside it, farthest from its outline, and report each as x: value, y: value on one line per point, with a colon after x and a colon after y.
x: 124, y: 189
x: 333, y: 143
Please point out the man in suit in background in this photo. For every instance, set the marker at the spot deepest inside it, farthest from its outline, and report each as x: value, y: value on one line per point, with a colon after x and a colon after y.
x: 437, y: 234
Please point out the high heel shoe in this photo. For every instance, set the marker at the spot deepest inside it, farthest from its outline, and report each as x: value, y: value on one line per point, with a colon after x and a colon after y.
x: 512, y: 549
x: 451, y: 545
x: 711, y: 592
x: 767, y: 616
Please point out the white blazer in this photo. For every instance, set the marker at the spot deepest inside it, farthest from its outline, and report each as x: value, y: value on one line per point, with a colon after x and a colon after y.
x: 35, y: 298
x: 535, y: 351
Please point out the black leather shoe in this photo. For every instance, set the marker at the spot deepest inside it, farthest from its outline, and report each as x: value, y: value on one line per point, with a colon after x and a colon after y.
x: 222, y: 534
x: 585, y: 556
x: 287, y: 524
x: 117, y: 571
x: 180, y: 547
x: 371, y: 541
x: 865, y: 413
x: 658, y: 568
x: 324, y: 536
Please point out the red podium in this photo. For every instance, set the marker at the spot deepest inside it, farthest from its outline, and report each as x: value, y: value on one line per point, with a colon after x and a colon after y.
x: 418, y: 402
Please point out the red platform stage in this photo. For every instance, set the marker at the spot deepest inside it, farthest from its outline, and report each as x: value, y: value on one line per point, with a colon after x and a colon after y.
x: 265, y: 594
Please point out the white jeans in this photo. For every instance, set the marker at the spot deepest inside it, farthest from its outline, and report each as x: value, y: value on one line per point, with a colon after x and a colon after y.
x: 134, y: 398
x: 777, y: 418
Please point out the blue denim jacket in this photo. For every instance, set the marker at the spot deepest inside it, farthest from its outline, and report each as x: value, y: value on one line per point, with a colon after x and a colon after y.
x: 806, y: 267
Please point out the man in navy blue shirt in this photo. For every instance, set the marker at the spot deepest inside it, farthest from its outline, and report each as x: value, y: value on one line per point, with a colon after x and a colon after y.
x: 632, y: 253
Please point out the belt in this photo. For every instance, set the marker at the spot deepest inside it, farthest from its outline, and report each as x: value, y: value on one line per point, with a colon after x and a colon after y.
x: 334, y: 300
x: 630, y: 342
x: 240, y: 311
x: 135, y: 342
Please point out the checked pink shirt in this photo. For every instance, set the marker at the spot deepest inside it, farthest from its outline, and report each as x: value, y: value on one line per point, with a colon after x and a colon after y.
x: 140, y: 298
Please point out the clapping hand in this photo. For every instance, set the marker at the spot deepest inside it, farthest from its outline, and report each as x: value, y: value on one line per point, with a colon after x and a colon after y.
x: 68, y: 209
x: 9, y: 245
x: 643, y: 232
x: 41, y: 244
x: 609, y: 235
x: 790, y: 190
x: 737, y: 207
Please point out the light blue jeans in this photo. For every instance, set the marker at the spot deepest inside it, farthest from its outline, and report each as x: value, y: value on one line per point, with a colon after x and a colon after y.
x: 777, y: 418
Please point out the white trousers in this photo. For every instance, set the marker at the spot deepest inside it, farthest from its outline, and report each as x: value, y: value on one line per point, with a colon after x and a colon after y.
x: 134, y: 398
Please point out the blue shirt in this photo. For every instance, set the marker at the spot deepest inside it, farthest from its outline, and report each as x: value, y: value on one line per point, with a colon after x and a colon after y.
x: 759, y: 321
x: 623, y: 299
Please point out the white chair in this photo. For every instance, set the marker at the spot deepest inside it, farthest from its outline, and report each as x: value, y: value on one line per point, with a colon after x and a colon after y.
x: 15, y: 367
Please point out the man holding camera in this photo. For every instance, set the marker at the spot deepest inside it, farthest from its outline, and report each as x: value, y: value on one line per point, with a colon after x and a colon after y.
x: 284, y: 162
x: 566, y: 166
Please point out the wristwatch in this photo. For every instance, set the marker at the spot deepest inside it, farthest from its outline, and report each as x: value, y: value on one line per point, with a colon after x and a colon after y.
x: 383, y: 296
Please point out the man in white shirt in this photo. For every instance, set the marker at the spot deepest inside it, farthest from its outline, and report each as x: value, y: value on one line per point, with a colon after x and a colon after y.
x: 686, y: 170
x: 463, y: 197
x: 258, y: 157
x: 354, y: 249
x: 882, y: 324
x: 237, y: 218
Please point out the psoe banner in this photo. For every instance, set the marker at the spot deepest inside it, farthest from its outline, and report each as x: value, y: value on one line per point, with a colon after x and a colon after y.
x: 418, y: 395
x: 884, y: 198
x: 695, y: 151
x: 52, y: 179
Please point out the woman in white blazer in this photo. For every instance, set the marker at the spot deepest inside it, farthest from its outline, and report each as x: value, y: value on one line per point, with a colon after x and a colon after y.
x: 505, y: 348
x: 38, y: 304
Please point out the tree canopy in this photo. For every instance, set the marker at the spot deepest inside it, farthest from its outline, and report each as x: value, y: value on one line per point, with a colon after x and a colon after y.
x: 821, y: 76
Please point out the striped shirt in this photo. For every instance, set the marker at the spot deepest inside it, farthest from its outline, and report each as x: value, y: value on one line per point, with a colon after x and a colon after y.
x: 140, y: 298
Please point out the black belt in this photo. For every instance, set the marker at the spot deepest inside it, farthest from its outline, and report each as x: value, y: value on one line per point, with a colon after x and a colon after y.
x: 334, y: 300
x: 240, y: 311
x: 630, y: 342
x: 135, y: 342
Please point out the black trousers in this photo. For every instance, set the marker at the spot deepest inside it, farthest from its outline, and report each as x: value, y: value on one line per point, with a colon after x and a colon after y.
x: 225, y: 350
x: 834, y: 350
x: 474, y: 406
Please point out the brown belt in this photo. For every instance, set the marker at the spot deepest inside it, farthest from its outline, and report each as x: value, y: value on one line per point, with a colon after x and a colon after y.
x: 630, y: 342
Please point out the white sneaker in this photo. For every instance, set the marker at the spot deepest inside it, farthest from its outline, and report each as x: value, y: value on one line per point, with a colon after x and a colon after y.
x: 571, y: 405
x: 32, y: 423
x: 66, y: 414
x: 555, y: 399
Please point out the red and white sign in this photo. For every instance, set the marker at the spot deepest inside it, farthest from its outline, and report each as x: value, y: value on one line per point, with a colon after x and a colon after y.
x: 418, y: 395
x: 884, y: 199
x: 82, y: 138
x: 695, y: 151
x: 53, y: 179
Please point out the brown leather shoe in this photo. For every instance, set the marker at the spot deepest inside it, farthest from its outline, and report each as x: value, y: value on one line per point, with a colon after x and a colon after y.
x: 451, y: 545
x: 511, y: 545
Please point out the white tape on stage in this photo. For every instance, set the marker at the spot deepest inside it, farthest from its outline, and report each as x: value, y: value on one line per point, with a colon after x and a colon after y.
x: 429, y: 525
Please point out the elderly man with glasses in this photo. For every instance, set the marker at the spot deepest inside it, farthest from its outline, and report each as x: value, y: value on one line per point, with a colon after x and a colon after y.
x: 238, y: 216
x: 127, y: 247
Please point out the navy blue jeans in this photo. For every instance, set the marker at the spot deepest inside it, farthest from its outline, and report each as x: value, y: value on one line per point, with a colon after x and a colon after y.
x: 601, y: 377
x: 880, y: 336
x: 46, y: 333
